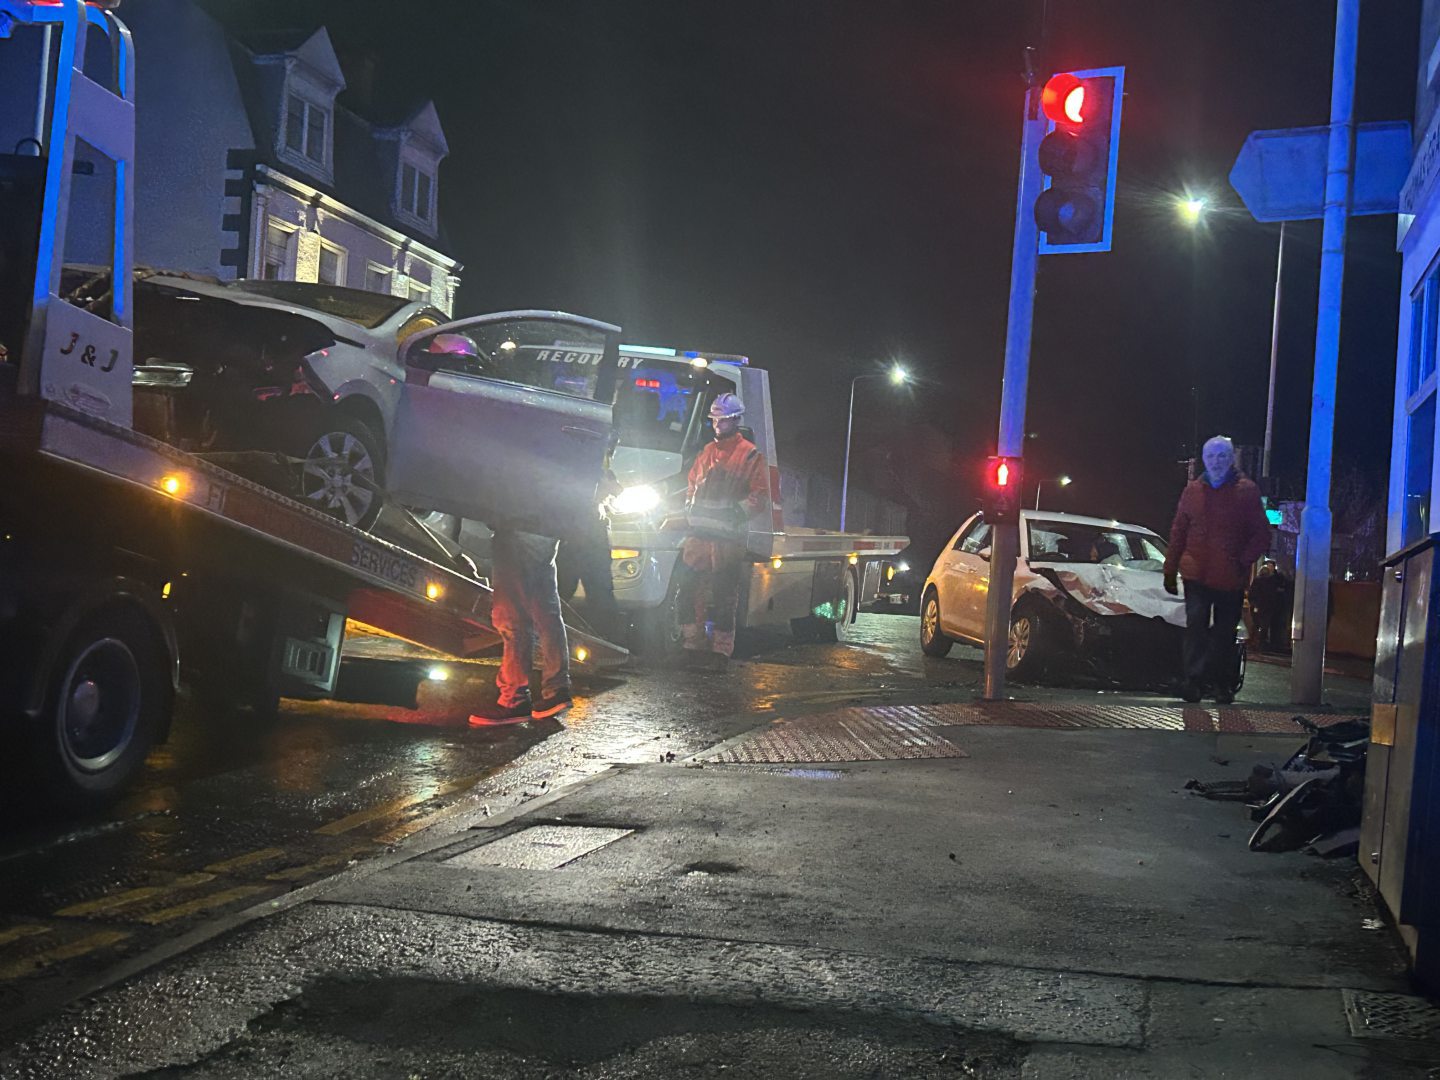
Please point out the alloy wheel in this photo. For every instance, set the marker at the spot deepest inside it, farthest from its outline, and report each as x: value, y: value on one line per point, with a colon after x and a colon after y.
x: 334, y: 478
x: 930, y: 620
x: 1020, y: 640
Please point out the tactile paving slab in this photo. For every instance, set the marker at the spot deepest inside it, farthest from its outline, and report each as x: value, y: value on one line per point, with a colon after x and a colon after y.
x: 894, y: 732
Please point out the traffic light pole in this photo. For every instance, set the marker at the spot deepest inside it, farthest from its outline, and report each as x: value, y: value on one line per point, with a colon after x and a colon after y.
x: 1312, y: 558
x: 1005, y: 539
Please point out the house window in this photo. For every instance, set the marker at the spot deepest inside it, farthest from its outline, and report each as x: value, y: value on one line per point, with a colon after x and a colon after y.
x: 278, y: 259
x: 1420, y: 410
x: 420, y: 290
x: 305, y: 128
x: 331, y: 269
x: 416, y: 191
x: 377, y: 278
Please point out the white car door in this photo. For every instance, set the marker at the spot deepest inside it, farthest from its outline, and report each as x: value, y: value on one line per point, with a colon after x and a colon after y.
x: 505, y: 419
x: 968, y: 572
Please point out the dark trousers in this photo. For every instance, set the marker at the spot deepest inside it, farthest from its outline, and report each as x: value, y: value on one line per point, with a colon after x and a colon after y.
x: 586, y: 559
x: 1211, y: 616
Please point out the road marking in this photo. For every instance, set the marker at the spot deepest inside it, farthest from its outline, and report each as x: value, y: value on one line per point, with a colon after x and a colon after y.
x: 133, y: 896
x: 15, y: 933
x: 339, y: 858
x: 241, y: 862
x: 29, y: 965
x: 395, y: 806
x: 203, y: 903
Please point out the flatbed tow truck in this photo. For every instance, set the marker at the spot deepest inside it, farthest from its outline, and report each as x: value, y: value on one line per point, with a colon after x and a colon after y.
x: 810, y: 582
x: 129, y: 568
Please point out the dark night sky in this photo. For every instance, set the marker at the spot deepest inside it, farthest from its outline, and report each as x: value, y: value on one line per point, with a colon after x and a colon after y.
x: 822, y: 184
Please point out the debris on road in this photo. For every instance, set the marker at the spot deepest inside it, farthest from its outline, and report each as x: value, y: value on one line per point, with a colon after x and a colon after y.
x: 1312, y: 801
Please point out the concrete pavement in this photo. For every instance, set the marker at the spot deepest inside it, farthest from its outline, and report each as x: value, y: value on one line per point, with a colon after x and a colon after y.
x: 1007, y: 902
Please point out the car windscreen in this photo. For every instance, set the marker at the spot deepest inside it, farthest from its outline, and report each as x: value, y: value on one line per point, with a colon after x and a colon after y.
x: 1078, y: 542
x: 368, y: 309
x: 662, y: 404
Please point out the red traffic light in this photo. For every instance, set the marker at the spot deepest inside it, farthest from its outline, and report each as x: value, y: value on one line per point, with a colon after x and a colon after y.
x: 1063, y: 99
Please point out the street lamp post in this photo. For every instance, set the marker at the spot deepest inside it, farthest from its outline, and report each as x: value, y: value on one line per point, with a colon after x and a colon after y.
x: 1063, y: 481
x: 897, y: 376
x: 1192, y: 211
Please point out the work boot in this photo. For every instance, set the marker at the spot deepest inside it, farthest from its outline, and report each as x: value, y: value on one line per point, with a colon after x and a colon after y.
x: 493, y: 715
x: 1224, y: 696
x: 1190, y: 691
x: 551, y: 705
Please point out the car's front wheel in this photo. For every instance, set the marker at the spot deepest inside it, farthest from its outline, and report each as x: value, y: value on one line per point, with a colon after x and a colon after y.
x: 933, y: 641
x: 342, y: 470
x: 1029, y: 646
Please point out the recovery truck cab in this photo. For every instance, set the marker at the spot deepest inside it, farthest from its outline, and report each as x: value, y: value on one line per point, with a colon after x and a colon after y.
x: 128, y: 567
x: 808, y: 581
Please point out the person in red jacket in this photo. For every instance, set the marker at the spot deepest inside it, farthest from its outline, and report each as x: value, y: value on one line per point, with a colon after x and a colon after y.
x: 728, y: 483
x: 1220, y: 529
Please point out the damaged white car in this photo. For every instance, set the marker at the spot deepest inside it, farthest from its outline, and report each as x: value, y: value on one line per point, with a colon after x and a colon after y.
x: 1089, y: 597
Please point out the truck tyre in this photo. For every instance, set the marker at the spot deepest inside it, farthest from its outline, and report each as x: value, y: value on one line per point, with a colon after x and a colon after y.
x: 838, y: 629
x: 109, y: 696
x: 659, y: 626
x: 1031, y: 644
x: 933, y: 641
x: 342, y: 471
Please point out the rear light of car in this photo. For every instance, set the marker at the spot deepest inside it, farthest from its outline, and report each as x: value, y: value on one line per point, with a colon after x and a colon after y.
x: 301, y: 384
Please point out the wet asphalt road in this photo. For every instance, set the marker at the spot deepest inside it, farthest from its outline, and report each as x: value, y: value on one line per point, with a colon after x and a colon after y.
x: 234, y: 813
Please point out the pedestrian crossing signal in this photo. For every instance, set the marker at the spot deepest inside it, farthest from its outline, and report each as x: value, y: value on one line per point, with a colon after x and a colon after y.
x: 1002, y: 490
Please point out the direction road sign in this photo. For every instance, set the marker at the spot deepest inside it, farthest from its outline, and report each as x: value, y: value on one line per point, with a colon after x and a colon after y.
x: 1280, y: 174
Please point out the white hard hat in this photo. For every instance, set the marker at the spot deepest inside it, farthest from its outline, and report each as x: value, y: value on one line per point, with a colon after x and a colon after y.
x: 452, y: 345
x: 726, y: 406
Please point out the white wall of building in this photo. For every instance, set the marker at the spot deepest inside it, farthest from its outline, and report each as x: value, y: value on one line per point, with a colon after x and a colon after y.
x: 412, y: 272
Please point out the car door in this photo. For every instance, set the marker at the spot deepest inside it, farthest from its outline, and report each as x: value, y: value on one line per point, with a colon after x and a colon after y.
x: 968, y: 574
x: 505, y: 419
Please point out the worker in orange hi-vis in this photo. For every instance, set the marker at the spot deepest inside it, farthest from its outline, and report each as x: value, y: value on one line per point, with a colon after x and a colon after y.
x: 729, y: 483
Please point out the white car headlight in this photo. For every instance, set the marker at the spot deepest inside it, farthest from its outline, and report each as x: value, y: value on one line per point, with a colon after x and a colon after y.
x: 640, y: 499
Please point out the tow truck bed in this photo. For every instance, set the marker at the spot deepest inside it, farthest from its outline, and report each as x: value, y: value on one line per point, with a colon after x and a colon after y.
x: 231, y: 585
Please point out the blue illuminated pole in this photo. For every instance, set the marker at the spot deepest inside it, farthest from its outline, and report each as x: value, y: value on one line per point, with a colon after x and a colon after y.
x: 1005, y: 539
x: 1312, y: 558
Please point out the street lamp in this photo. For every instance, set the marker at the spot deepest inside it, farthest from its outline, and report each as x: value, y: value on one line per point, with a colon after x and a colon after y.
x: 898, y: 376
x: 1063, y: 481
x: 1192, y: 210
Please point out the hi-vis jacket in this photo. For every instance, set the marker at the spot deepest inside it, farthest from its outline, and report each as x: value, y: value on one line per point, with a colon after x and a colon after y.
x: 728, y: 482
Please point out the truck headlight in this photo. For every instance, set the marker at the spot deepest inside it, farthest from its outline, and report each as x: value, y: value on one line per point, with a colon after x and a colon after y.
x: 640, y: 499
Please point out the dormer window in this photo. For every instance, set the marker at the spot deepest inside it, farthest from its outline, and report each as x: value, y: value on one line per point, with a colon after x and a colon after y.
x: 306, y: 127
x: 417, y: 192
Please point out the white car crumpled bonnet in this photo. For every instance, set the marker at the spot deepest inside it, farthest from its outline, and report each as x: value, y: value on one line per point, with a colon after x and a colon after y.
x: 1115, y: 590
